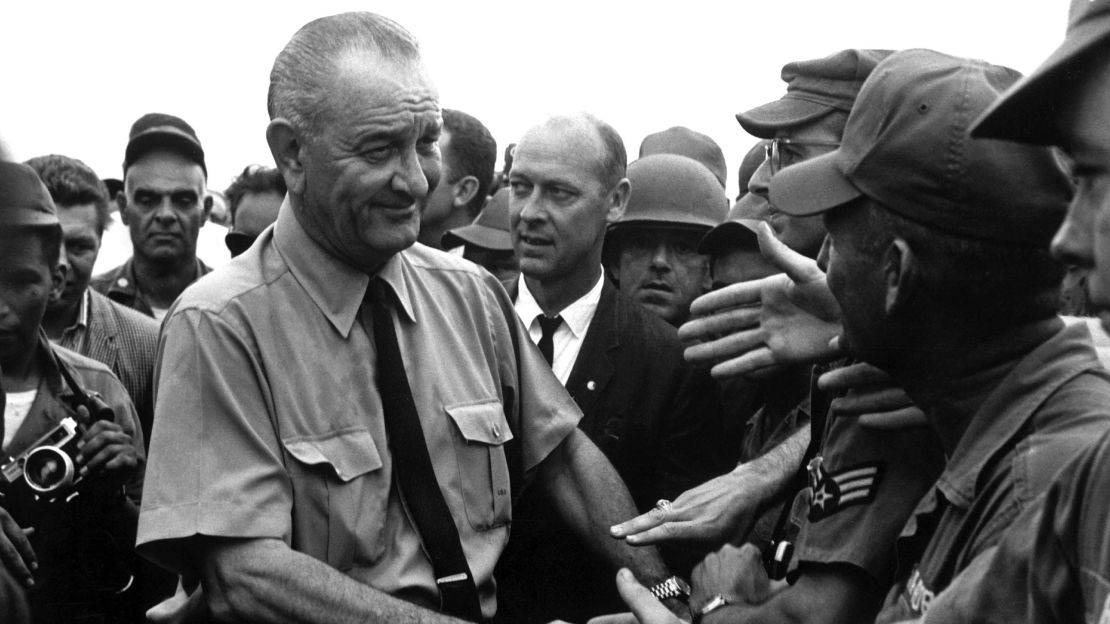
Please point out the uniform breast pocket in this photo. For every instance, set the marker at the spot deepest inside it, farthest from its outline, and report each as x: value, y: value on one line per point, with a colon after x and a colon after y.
x: 480, y: 455
x: 340, y: 495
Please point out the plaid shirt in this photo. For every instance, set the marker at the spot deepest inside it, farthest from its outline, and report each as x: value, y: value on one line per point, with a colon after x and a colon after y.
x: 123, y: 340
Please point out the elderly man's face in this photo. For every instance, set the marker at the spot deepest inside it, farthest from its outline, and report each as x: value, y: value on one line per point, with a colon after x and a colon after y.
x: 1083, y: 240
x: 856, y: 279
x: 369, y: 169
x: 558, y: 206
x: 802, y: 234
x: 166, y: 205
x: 662, y: 270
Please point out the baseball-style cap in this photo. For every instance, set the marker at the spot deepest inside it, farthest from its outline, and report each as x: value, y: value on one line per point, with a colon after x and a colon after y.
x: 489, y: 230
x: 907, y: 146
x: 24, y: 199
x: 685, y: 142
x: 161, y: 131
x: 738, y: 228
x: 1028, y: 112
x: 814, y: 88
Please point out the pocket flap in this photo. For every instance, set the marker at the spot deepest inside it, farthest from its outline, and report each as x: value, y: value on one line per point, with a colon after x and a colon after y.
x: 350, y: 452
x: 482, y: 422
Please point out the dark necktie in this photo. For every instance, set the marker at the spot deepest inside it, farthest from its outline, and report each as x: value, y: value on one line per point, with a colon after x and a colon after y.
x: 548, y: 326
x: 412, y: 466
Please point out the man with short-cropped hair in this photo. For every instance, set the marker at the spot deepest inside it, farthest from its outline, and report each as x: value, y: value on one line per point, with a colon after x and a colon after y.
x: 82, y: 319
x: 469, y: 157
x: 345, y: 417
x: 164, y: 204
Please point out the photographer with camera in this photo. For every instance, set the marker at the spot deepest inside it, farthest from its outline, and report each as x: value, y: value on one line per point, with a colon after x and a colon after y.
x: 72, y: 452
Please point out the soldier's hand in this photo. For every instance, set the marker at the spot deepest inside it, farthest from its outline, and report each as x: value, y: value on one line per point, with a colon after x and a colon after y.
x: 107, y: 452
x: 646, y: 608
x: 872, y: 397
x: 15, y: 549
x: 737, y: 573
x: 749, y: 327
x: 713, y: 512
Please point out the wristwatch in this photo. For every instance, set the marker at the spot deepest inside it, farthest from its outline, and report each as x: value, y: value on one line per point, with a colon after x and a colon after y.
x: 716, y: 602
x: 673, y: 587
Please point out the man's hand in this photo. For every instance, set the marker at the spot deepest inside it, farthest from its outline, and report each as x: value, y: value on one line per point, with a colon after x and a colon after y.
x: 745, y: 328
x: 871, y: 397
x: 713, y: 512
x: 15, y: 550
x: 106, y: 452
x: 646, y: 608
x: 737, y: 573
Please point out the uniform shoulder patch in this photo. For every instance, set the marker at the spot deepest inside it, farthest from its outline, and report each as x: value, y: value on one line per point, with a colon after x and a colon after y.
x: 833, y: 491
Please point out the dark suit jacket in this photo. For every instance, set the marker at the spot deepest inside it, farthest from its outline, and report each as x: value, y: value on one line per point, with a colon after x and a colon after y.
x: 649, y: 413
x: 126, y: 342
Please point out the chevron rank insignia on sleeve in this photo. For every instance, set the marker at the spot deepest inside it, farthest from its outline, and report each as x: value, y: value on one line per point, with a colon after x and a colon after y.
x: 833, y: 491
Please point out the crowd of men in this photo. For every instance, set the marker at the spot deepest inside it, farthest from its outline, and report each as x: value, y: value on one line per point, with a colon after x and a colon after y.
x: 873, y: 388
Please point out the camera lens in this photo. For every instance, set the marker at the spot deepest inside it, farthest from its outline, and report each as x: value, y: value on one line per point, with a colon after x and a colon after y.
x: 48, y: 469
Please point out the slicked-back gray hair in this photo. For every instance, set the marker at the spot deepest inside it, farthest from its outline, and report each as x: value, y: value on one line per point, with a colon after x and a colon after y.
x: 303, y: 70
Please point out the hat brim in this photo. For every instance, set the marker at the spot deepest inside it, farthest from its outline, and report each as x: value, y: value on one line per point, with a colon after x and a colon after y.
x: 480, y: 235
x: 161, y: 139
x: 763, y: 121
x: 1028, y: 111
x: 726, y: 236
x: 29, y: 216
x: 812, y: 187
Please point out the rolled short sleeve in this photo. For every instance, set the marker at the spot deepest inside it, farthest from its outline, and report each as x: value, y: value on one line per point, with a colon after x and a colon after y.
x: 545, y: 412
x: 215, y: 464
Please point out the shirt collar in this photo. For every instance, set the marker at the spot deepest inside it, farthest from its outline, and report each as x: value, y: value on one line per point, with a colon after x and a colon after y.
x: 334, y: 286
x: 577, y: 315
x: 1011, y: 405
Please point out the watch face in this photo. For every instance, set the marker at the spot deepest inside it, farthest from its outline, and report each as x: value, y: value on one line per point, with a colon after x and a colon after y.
x: 683, y: 586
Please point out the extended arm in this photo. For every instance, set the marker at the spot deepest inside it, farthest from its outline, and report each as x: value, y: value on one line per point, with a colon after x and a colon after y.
x: 263, y: 580
x: 725, y: 507
x: 591, y: 497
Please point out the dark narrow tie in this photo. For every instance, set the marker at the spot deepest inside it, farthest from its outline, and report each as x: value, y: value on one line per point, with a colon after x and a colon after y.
x: 412, y: 466
x: 548, y: 326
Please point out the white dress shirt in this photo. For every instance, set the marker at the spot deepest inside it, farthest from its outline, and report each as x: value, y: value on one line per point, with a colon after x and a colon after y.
x: 568, y: 338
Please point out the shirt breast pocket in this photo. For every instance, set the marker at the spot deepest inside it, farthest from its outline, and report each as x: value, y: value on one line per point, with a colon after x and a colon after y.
x: 340, y: 495
x: 482, y: 432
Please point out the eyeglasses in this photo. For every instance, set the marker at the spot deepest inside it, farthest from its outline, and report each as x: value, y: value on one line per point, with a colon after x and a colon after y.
x: 780, y: 159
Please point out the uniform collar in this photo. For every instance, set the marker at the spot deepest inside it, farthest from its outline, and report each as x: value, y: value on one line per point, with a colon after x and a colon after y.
x: 1010, y: 407
x: 334, y: 286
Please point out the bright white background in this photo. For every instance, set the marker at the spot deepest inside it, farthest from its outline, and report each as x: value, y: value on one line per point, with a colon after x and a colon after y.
x: 75, y: 75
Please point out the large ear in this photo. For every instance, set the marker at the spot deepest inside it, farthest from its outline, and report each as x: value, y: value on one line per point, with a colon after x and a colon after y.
x: 618, y: 200
x: 464, y: 191
x: 121, y: 205
x: 58, y: 279
x: 285, y: 146
x: 208, y: 200
x: 900, y: 270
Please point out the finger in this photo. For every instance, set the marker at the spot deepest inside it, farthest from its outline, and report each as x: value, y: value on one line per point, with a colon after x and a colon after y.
x: 122, y: 463
x: 851, y: 376
x: 898, y: 419
x: 640, y: 523
x: 615, y: 618
x: 103, y: 440
x: 645, y: 606
x: 731, y: 296
x: 877, y: 401
x: 722, y: 322
x: 16, y: 551
x: 105, y: 455
x: 749, y: 364
x: 730, y: 346
x: 675, y: 531
x: 797, y: 267
x: 754, y: 585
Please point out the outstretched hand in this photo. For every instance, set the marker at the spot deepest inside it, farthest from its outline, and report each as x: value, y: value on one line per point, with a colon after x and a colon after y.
x: 646, y: 608
x: 788, y: 318
x: 870, y: 396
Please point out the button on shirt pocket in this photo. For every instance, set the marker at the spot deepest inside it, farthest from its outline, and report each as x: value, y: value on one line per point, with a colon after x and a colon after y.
x: 483, y: 471
x: 340, y: 496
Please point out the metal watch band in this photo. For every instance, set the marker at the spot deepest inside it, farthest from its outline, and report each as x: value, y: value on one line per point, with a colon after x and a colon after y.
x: 673, y: 587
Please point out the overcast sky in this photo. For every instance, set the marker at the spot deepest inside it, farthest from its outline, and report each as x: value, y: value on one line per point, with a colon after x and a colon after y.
x: 75, y: 75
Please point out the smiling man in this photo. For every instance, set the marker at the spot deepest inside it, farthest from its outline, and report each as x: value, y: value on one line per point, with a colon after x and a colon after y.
x: 344, y: 418
x: 164, y: 204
